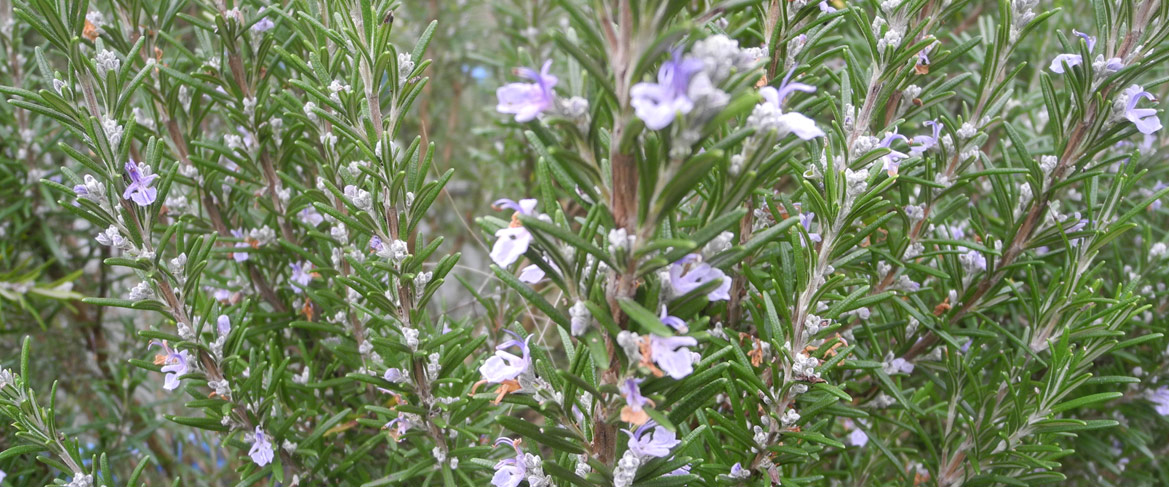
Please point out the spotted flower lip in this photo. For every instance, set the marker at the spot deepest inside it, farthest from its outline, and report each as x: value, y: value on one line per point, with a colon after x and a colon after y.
x: 1145, y: 119
x: 140, y: 189
x: 671, y: 355
x: 892, y: 160
x: 512, y: 242
x: 684, y: 280
x: 656, y: 444
x: 505, y: 365
x: 261, y: 451
x: 528, y: 100
x: 789, y: 122
x: 658, y: 104
x: 509, y: 472
x: 176, y: 363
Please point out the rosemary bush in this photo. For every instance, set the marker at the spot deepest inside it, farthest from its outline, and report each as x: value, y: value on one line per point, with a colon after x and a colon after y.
x: 607, y: 243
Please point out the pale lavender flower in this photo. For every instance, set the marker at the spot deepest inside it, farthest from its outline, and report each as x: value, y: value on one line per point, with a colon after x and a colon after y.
x: 301, y: 276
x: 1145, y: 119
x: 1072, y: 60
x: 240, y: 256
x: 630, y: 389
x: 140, y: 190
x: 738, y: 472
x: 658, y: 104
x: 824, y: 7
x: 684, y: 280
x: 311, y: 217
x: 261, y: 451
x: 923, y: 60
x: 394, y: 375
x: 656, y: 444
x: 769, y: 115
x: 531, y: 274
x: 926, y: 142
x: 672, y: 321
x: 223, y: 324
x: 806, y: 220
x: 973, y: 261
x: 505, y: 365
x: 511, y: 242
x: 398, y: 427
x: 857, y: 436
x: 892, y: 160
x: 263, y: 25
x: 175, y: 364
x: 509, y: 472
x: 1160, y: 399
x: 527, y: 100
x: 671, y: 355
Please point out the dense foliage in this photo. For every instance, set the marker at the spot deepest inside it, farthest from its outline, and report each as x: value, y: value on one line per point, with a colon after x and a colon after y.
x: 589, y: 243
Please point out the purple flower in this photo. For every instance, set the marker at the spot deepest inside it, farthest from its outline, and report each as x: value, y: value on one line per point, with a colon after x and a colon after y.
x: 394, y: 375
x: 531, y: 274
x: 824, y: 7
x: 140, y: 190
x: 656, y: 444
x: 672, y: 321
x: 634, y: 409
x: 398, y: 427
x: 671, y: 355
x: 892, y: 160
x: 738, y: 472
x: 223, y: 324
x: 658, y: 104
x: 1160, y: 399
x: 926, y: 142
x: 1071, y: 60
x: 857, y: 437
x: 311, y: 217
x: 240, y: 256
x: 806, y: 220
x: 263, y: 25
x: 175, y: 364
x: 923, y: 60
x: 769, y: 115
x: 511, y: 242
x: 684, y: 280
x: 1144, y: 118
x: 509, y: 472
x: 261, y: 451
x: 527, y: 100
x: 973, y: 261
x: 301, y: 276
x: 505, y: 365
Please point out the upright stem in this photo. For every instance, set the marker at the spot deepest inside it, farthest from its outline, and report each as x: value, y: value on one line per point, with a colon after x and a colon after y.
x: 623, y: 203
